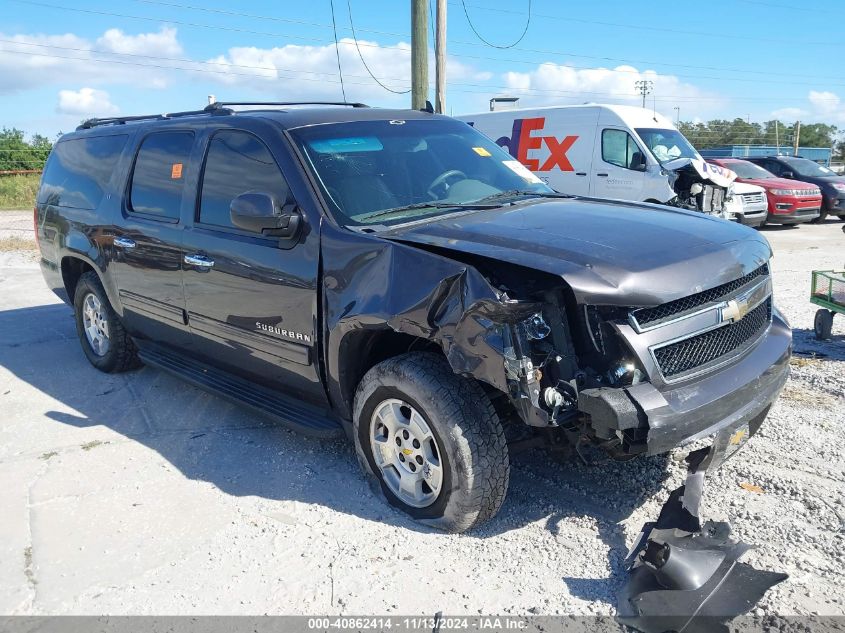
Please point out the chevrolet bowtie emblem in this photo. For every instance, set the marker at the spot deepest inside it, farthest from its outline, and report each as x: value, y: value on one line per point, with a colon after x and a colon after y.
x: 735, y: 309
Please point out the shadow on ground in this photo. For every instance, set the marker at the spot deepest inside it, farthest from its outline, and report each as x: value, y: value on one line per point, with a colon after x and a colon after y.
x: 209, y: 439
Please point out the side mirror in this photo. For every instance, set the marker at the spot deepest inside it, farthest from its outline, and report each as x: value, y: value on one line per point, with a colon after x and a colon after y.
x: 260, y: 212
x: 788, y: 174
x: 638, y: 161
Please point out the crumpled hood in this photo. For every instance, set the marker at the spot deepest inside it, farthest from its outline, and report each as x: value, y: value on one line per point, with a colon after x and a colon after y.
x: 721, y: 176
x: 609, y: 253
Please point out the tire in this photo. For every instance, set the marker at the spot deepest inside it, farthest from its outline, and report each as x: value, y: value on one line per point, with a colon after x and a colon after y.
x: 466, y: 441
x: 823, y: 324
x: 118, y: 352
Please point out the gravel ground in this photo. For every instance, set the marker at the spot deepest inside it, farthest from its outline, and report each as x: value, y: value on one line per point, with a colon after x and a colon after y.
x: 137, y: 494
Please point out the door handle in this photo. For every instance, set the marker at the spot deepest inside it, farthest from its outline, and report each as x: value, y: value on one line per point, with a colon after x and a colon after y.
x: 605, y: 175
x: 124, y: 242
x: 580, y: 173
x: 199, y: 260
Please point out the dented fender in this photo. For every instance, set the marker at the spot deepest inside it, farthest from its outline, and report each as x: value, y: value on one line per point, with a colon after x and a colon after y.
x: 448, y: 303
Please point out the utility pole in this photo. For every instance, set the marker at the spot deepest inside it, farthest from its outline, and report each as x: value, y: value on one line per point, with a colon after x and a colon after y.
x: 644, y: 87
x: 440, y: 58
x: 419, y: 53
x: 777, y: 138
x: 797, y: 138
x: 677, y: 110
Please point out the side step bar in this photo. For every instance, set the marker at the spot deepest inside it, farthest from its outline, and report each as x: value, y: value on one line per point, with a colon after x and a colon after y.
x: 288, y: 412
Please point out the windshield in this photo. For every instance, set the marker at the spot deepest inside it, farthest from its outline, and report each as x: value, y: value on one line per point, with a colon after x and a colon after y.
x: 667, y: 145
x: 371, y: 171
x: 744, y: 169
x: 806, y: 167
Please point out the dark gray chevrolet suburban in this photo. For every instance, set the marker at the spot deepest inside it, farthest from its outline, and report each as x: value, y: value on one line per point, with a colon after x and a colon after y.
x: 396, y: 275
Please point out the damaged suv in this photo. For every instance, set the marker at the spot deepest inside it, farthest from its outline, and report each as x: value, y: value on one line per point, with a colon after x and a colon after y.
x: 396, y: 275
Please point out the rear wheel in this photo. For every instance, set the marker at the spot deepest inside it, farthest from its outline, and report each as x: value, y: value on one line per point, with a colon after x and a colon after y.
x: 105, y: 342
x: 431, y: 441
x: 823, y: 324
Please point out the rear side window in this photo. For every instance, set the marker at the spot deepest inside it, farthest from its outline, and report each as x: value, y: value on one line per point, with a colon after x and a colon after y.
x: 237, y: 162
x: 618, y: 148
x: 78, y: 171
x: 159, y: 175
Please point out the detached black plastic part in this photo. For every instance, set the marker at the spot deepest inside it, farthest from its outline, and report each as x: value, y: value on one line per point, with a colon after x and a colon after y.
x: 685, y: 576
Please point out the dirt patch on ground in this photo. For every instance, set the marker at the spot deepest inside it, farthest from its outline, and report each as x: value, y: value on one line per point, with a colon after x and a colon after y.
x: 17, y: 243
x: 801, y: 393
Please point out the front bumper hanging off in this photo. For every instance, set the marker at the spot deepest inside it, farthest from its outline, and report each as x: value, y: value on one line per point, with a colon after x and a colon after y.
x: 685, y: 576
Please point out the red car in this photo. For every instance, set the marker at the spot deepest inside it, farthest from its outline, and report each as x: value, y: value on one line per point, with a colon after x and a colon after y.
x: 790, y: 201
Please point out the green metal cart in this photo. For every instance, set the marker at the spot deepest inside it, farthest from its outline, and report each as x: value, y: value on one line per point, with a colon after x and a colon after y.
x: 828, y: 292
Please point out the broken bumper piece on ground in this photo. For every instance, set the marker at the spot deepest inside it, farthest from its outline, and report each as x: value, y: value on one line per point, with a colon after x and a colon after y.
x: 686, y: 576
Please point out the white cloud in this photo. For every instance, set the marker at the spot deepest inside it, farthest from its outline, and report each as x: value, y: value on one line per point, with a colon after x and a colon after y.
x: 554, y: 83
x: 164, y: 43
x: 32, y: 61
x: 824, y: 101
x: 295, y: 71
x: 87, y: 102
x: 822, y: 106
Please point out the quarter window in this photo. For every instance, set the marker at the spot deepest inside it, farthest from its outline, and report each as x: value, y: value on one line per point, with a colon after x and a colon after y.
x: 237, y: 163
x: 158, y: 179
x: 618, y: 148
x: 79, y: 170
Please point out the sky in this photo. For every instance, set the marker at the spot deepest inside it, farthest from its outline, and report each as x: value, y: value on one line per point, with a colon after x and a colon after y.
x: 62, y: 61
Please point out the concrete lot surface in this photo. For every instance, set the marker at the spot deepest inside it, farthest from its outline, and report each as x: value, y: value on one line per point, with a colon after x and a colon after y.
x: 138, y: 494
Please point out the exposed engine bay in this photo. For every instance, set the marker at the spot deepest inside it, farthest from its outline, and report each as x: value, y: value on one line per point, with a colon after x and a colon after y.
x: 699, y: 185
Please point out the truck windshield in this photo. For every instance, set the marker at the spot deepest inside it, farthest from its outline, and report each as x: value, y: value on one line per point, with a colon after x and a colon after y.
x: 806, y: 167
x: 666, y: 145
x: 390, y: 172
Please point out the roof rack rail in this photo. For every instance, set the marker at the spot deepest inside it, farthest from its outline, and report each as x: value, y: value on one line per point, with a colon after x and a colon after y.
x: 120, y: 120
x: 218, y: 107
x: 223, y: 104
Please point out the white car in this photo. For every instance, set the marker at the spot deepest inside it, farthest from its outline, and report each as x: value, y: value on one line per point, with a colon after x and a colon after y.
x: 747, y: 205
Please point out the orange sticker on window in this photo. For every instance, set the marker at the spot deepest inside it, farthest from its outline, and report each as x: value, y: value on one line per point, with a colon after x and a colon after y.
x: 176, y: 170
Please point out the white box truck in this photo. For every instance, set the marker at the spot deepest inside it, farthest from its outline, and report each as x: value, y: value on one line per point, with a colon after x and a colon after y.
x: 609, y: 151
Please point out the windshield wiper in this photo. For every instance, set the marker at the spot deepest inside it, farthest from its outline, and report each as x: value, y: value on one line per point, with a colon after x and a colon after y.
x: 427, y: 205
x: 513, y: 193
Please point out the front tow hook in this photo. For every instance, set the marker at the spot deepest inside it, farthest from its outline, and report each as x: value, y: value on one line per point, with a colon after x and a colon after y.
x: 685, y: 576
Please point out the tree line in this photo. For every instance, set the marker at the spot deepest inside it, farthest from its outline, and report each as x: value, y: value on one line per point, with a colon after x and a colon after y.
x: 720, y: 132
x: 18, y: 153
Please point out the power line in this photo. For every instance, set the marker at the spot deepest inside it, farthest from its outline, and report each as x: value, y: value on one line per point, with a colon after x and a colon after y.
x: 485, y: 88
x: 462, y: 42
x: 337, y: 52
x: 178, y: 59
x: 405, y: 49
x: 660, y: 29
x: 478, y: 35
x: 363, y: 61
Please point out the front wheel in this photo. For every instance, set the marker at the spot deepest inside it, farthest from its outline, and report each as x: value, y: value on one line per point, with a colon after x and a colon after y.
x: 431, y: 441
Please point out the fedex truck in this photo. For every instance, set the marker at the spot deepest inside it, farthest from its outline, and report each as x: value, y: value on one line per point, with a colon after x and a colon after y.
x: 609, y: 151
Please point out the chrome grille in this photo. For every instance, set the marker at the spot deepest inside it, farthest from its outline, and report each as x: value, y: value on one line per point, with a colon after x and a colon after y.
x: 752, y: 198
x: 650, y: 316
x: 691, y: 353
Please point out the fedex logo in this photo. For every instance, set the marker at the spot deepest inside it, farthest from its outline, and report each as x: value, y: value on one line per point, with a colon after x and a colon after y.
x: 521, y: 142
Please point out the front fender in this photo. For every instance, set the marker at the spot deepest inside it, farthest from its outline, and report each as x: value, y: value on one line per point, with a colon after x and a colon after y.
x: 373, y: 284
